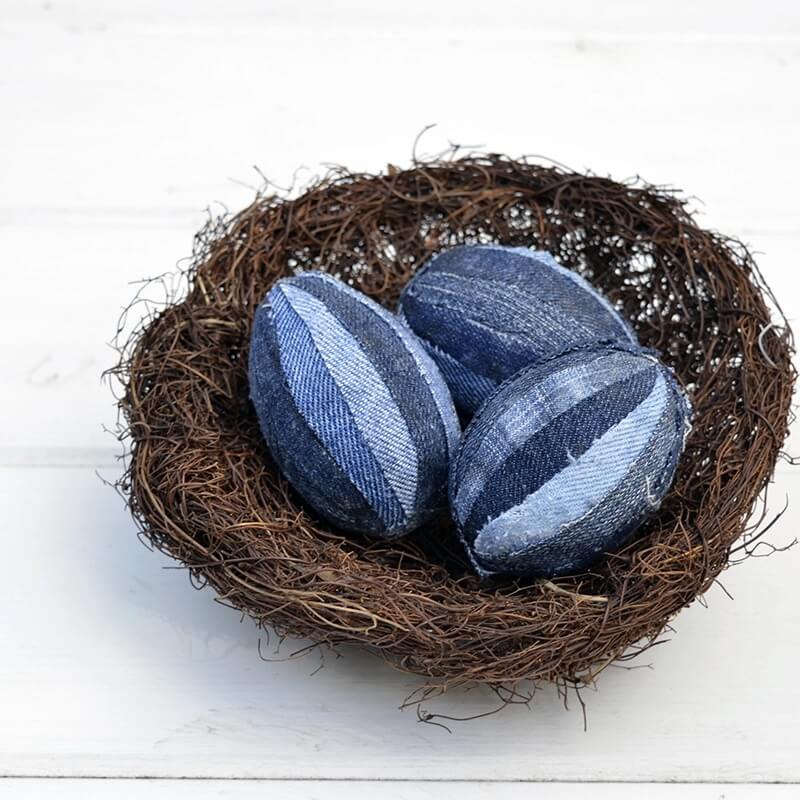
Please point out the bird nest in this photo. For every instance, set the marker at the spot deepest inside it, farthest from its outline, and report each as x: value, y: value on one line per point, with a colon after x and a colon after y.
x: 204, y: 489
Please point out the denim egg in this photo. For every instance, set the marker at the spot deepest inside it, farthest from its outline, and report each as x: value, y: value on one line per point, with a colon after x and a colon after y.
x: 566, y: 459
x: 485, y: 312
x: 354, y: 411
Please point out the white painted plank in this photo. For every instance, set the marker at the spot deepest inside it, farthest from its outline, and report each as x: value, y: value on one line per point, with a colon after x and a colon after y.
x: 52, y: 355
x: 415, y: 18
x: 161, y: 117
x: 44, y: 789
x: 113, y: 666
x: 55, y: 341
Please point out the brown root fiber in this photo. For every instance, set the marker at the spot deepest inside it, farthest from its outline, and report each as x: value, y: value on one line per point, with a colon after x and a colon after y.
x: 202, y: 485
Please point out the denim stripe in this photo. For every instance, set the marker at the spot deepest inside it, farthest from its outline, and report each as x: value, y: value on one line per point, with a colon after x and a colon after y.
x: 579, y: 280
x: 391, y: 358
x: 572, y: 492
x: 474, y: 343
x: 413, y: 382
x: 513, y: 400
x: 437, y: 387
x: 324, y: 408
x: 611, y: 522
x: 299, y: 453
x: 508, y: 312
x: 532, y: 274
x: 467, y: 387
x: 365, y: 394
x: 556, y: 445
x: 532, y: 406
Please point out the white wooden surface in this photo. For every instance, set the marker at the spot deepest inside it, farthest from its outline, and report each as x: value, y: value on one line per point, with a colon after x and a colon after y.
x: 368, y: 790
x: 118, y: 127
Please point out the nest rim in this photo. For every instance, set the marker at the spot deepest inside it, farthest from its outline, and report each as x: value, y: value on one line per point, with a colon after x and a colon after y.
x: 202, y: 488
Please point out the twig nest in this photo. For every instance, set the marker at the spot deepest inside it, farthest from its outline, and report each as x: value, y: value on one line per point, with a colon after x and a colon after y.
x: 355, y: 413
x: 202, y: 491
x: 485, y: 312
x: 566, y: 459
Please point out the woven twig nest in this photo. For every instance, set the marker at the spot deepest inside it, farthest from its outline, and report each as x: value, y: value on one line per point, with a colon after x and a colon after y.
x: 204, y: 489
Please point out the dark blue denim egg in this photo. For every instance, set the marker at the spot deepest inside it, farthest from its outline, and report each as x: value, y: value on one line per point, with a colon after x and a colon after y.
x: 485, y: 312
x: 566, y: 459
x: 354, y: 411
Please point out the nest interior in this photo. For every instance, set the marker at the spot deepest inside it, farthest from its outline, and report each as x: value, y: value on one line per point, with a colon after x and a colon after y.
x: 204, y: 489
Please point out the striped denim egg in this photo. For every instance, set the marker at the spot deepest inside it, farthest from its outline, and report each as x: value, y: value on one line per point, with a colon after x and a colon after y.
x: 354, y: 411
x: 566, y: 459
x: 485, y: 312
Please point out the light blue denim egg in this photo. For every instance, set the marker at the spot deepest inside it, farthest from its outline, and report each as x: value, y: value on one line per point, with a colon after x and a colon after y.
x: 566, y: 459
x: 353, y: 409
x: 485, y: 312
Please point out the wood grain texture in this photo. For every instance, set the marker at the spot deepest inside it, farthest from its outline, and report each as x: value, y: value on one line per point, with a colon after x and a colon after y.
x: 120, y: 125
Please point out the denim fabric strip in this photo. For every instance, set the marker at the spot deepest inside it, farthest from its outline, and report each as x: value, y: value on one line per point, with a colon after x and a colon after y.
x: 611, y: 522
x: 322, y: 404
x: 436, y: 386
x: 467, y: 387
x: 365, y: 393
x: 475, y: 343
x: 429, y: 372
x: 576, y: 489
x: 513, y: 397
x: 411, y: 379
x: 531, y: 274
x: 547, y: 258
x: 301, y: 456
x: 552, y: 448
x: 508, y: 312
x: 395, y: 351
x: 529, y: 410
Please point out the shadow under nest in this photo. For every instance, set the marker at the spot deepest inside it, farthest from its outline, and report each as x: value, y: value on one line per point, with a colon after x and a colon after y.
x: 204, y: 489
